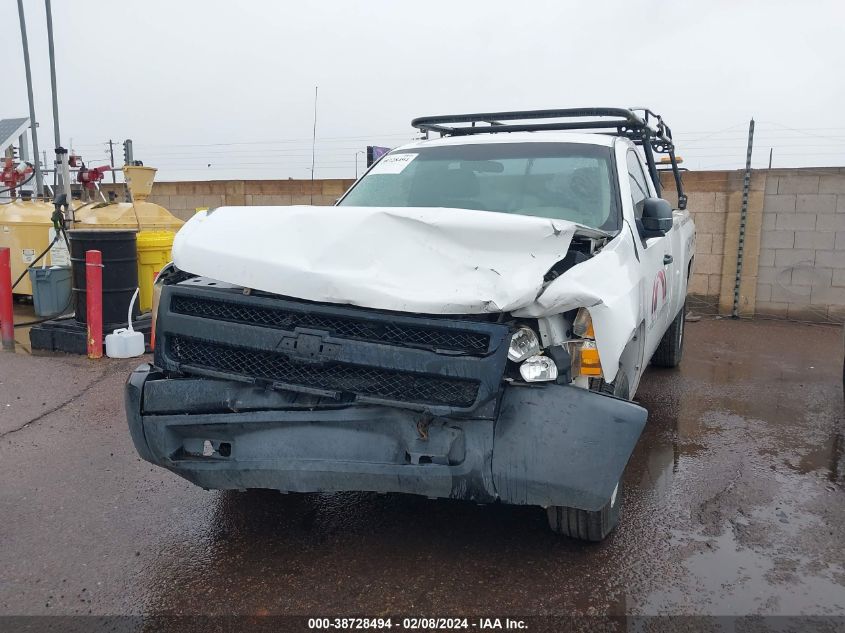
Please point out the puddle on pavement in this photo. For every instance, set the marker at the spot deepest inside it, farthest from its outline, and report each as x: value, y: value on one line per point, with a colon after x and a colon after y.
x: 756, y: 564
x: 733, y: 580
x: 828, y: 458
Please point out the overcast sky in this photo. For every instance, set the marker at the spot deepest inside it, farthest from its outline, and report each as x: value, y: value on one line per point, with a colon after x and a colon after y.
x: 231, y: 84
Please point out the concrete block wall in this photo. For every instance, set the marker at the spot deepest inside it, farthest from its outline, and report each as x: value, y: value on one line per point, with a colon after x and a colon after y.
x: 802, y: 250
x: 182, y: 199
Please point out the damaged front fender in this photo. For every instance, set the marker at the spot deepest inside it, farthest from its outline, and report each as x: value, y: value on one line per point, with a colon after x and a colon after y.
x: 609, y: 287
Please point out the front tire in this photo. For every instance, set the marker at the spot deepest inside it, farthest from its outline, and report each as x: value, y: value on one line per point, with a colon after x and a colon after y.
x: 586, y: 525
x: 671, y: 348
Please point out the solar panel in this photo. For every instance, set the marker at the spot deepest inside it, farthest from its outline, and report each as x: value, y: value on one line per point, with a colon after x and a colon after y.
x: 10, y: 130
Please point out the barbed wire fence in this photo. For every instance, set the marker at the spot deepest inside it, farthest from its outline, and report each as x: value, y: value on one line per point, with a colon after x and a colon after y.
x: 702, y: 150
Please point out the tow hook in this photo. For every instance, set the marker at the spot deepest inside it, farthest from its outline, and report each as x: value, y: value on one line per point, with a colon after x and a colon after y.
x: 423, y: 423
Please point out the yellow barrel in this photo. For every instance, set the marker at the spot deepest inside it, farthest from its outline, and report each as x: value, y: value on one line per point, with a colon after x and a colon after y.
x: 153, y: 253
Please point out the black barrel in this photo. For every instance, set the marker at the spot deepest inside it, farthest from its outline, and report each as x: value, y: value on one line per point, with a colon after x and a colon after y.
x: 120, y: 272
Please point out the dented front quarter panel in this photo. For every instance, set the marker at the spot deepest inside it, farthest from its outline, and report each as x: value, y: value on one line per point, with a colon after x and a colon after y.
x: 609, y: 286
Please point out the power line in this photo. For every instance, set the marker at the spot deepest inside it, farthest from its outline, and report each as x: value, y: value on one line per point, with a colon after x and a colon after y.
x: 408, y: 135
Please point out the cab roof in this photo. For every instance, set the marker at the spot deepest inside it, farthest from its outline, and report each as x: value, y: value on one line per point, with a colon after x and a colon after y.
x: 602, y: 140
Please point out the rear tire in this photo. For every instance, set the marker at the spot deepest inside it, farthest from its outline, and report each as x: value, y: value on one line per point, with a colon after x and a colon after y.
x: 586, y: 525
x: 671, y: 348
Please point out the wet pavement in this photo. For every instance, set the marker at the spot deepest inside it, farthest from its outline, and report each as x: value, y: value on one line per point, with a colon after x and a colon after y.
x: 734, y: 504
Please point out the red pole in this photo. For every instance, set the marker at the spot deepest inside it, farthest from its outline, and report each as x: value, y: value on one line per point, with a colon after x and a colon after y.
x: 94, y: 302
x: 7, y: 317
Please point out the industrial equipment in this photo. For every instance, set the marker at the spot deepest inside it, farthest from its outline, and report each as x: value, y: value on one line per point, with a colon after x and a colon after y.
x: 27, y: 225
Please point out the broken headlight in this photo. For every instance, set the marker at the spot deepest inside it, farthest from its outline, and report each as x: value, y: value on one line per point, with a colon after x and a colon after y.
x: 524, y: 344
x: 524, y: 349
x: 538, y: 369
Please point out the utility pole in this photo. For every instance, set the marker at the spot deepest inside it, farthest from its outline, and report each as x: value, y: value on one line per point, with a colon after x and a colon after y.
x: 771, y: 149
x: 39, y: 178
x: 743, y: 217
x: 313, y: 144
x: 356, y: 162
x: 111, y: 162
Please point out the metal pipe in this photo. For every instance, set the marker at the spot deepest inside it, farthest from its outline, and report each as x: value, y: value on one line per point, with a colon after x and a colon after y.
x: 63, y: 168
x: 56, y: 135
x: 94, y: 302
x: 39, y: 179
x: 7, y: 318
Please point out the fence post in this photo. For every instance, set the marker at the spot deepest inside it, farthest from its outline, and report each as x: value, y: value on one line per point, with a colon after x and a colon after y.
x: 743, y: 220
x: 7, y: 318
x: 94, y: 302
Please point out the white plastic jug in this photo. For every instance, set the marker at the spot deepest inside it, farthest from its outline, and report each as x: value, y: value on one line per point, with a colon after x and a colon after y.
x: 125, y: 342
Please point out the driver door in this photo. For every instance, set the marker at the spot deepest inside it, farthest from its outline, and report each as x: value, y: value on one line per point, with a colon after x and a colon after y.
x: 655, y: 259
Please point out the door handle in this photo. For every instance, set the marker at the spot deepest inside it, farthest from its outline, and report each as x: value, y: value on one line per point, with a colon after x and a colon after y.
x: 668, y: 259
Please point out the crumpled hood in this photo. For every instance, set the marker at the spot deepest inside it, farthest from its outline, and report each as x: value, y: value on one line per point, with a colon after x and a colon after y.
x: 426, y: 260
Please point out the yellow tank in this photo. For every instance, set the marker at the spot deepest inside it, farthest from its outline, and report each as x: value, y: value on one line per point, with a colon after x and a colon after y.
x: 141, y: 215
x: 138, y: 214
x: 25, y: 229
x: 25, y: 226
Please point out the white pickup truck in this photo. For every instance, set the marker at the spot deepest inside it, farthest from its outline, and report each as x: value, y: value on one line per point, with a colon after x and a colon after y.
x: 470, y: 321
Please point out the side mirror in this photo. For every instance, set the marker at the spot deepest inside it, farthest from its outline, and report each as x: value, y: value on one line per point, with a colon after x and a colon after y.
x: 657, y: 218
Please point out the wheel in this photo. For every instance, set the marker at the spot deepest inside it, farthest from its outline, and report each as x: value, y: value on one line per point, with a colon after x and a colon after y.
x: 671, y: 348
x: 586, y: 525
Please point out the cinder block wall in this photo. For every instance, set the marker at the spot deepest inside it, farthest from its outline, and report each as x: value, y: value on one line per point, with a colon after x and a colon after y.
x: 182, y: 199
x: 794, y: 247
x: 802, y: 250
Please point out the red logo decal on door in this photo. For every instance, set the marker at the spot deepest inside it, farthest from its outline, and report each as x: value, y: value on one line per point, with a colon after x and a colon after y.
x: 659, y: 283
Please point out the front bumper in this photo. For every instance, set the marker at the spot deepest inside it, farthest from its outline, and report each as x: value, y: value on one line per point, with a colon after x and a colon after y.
x: 547, y: 444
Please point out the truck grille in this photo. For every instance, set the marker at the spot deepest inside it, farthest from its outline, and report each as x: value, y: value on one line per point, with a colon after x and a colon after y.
x: 367, y: 381
x: 380, y: 331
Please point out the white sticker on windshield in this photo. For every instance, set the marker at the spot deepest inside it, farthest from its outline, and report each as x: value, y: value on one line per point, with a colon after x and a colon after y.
x: 393, y: 164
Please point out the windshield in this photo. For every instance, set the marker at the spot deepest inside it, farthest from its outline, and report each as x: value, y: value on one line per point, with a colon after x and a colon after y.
x: 567, y: 181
